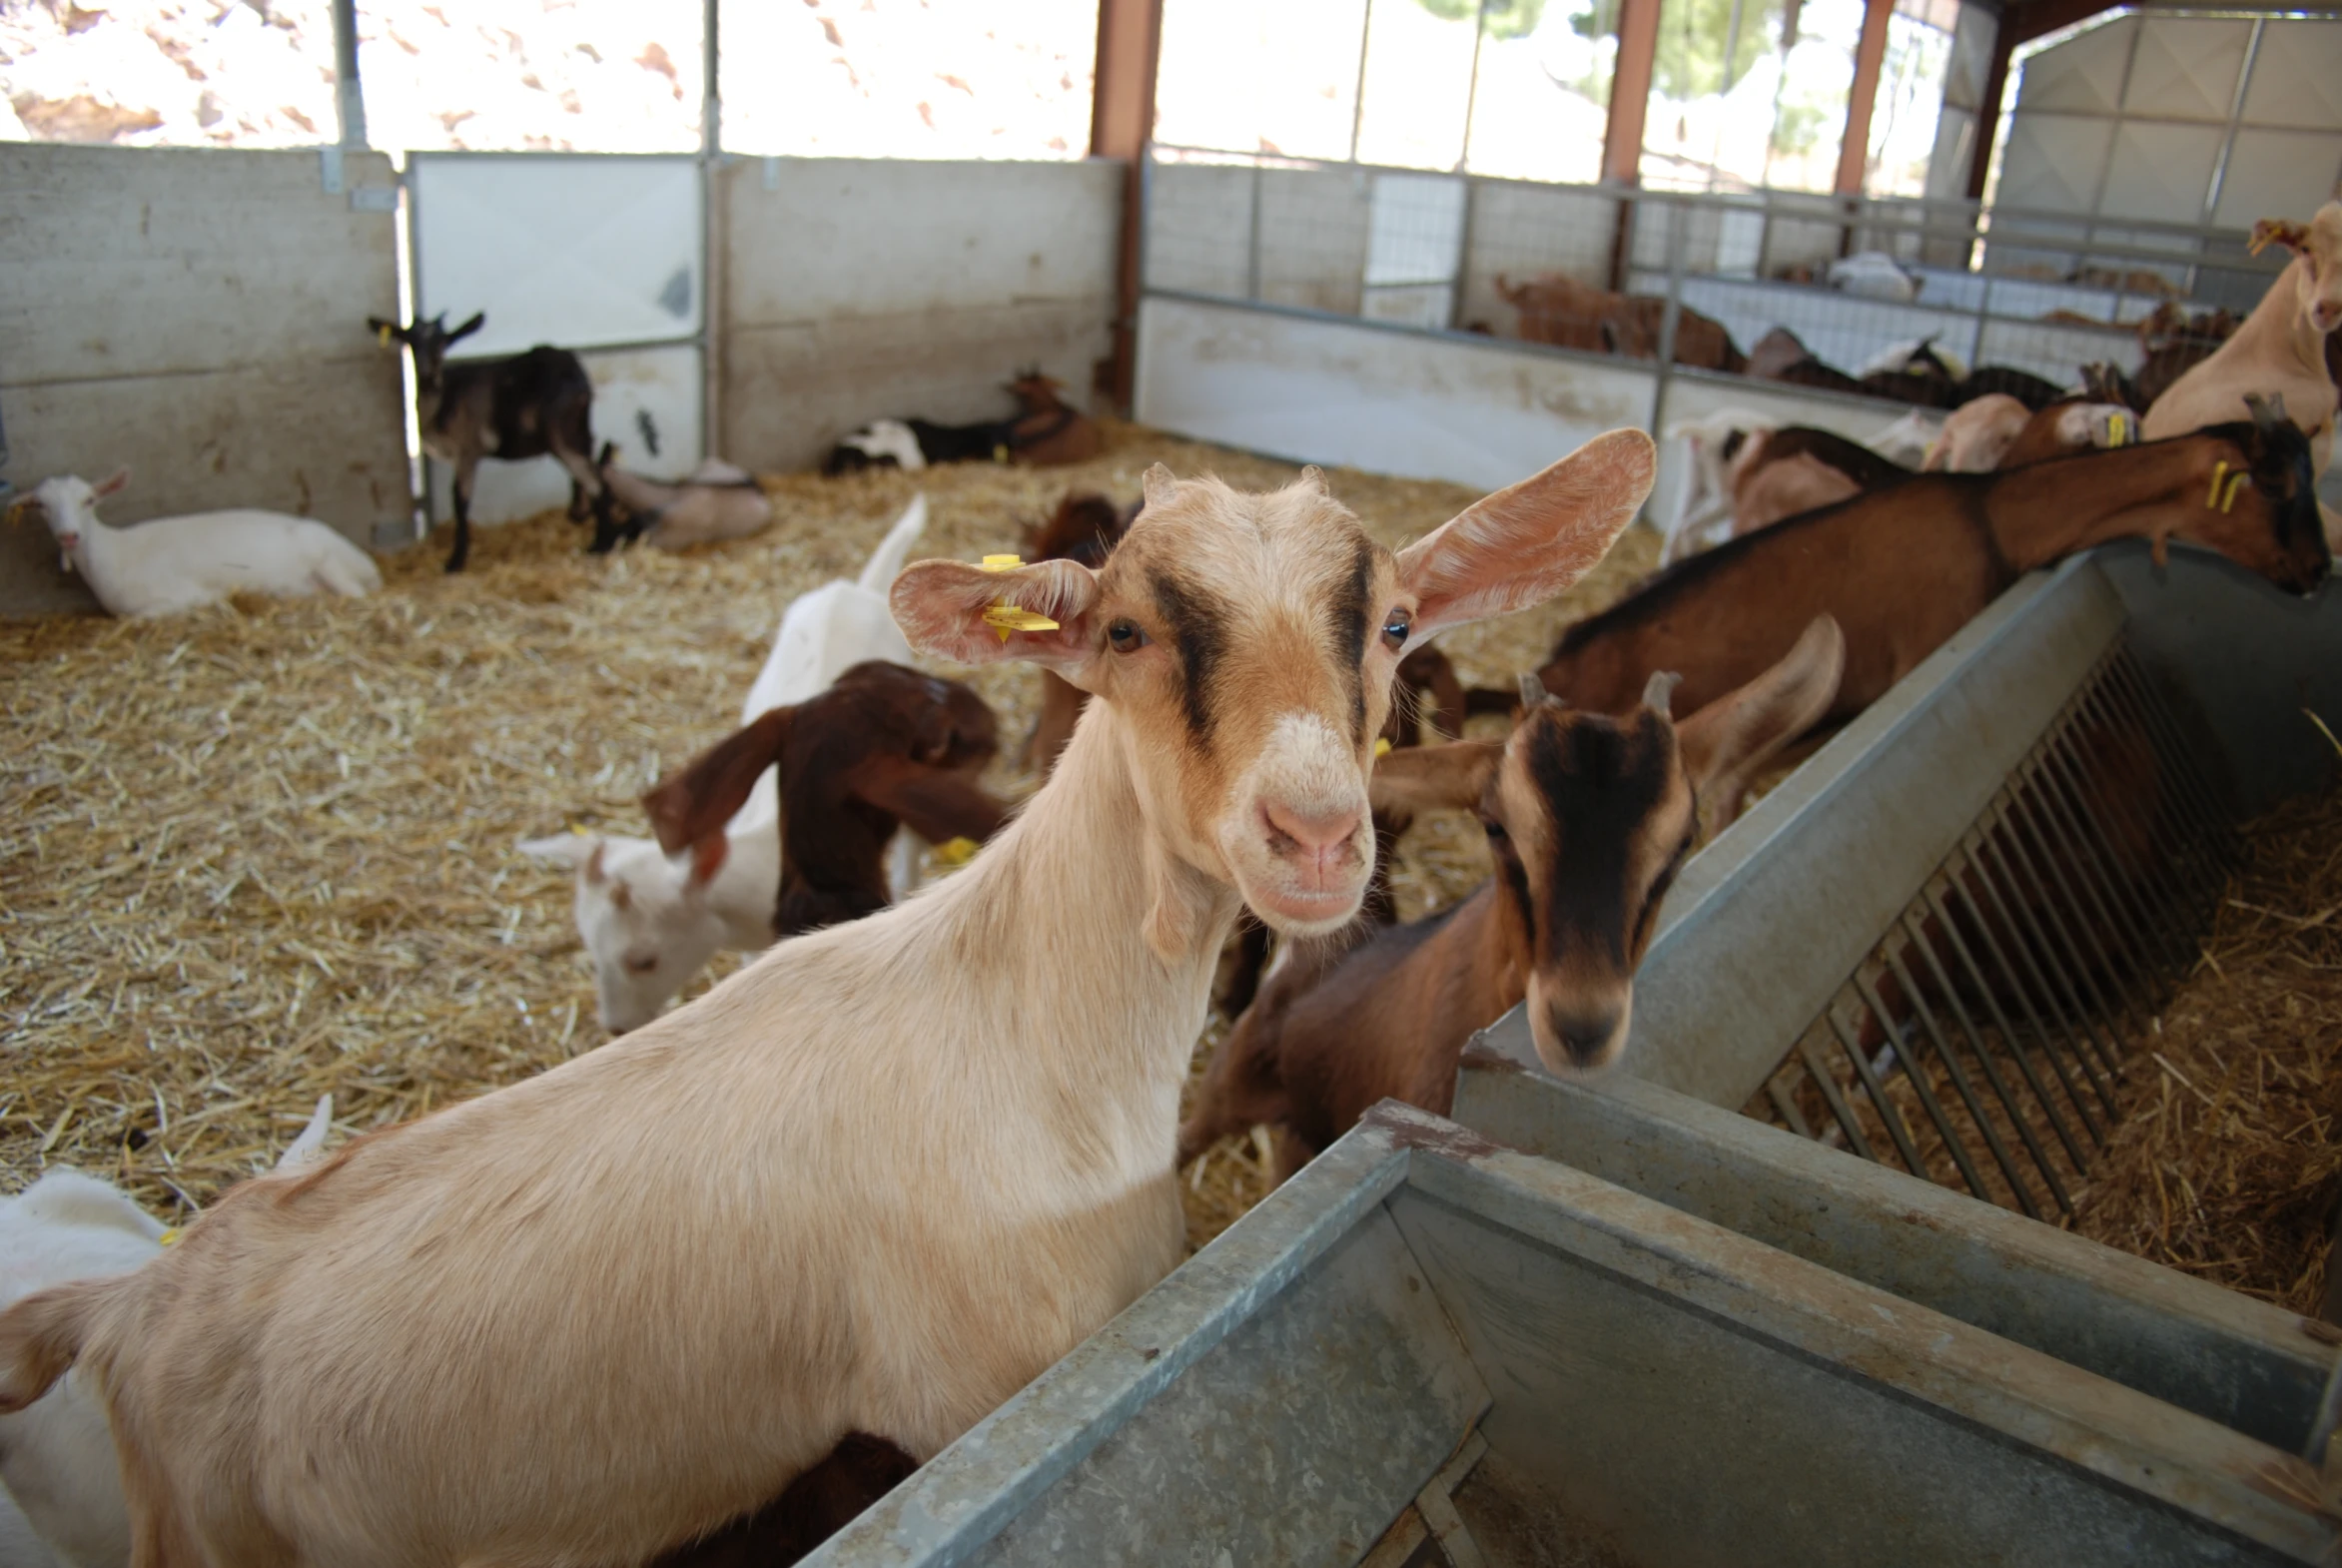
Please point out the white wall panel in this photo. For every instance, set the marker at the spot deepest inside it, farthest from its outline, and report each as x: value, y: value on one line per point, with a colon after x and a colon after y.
x: 2278, y: 173
x: 2296, y: 76
x: 662, y: 382
x: 2082, y: 75
x: 575, y: 251
x: 2185, y: 67
x: 1475, y: 412
x: 2161, y: 171
x: 2052, y: 162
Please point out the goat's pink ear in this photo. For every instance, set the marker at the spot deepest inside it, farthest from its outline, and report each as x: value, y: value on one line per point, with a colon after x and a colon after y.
x: 708, y: 858
x: 951, y: 611
x: 111, y: 483
x: 1728, y: 740
x: 1524, y: 545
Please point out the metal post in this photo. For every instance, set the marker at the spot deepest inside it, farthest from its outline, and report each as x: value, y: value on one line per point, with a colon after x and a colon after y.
x: 1670, y: 315
x: 712, y: 230
x: 1358, y: 99
x: 349, y: 99
x: 1252, y: 242
x: 1463, y: 160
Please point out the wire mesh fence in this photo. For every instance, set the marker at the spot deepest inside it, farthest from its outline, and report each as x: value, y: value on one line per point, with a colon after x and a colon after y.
x: 1829, y: 293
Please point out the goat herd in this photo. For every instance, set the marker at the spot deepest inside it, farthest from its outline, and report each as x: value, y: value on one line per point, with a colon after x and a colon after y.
x: 701, y: 1293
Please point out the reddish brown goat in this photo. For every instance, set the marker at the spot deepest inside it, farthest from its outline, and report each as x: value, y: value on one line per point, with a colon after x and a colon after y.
x: 1587, y: 820
x: 1560, y: 311
x: 1903, y: 569
x: 884, y: 747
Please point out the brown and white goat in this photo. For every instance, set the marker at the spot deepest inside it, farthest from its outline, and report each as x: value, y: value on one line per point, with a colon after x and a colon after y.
x: 534, y: 404
x: 695, y: 510
x: 1588, y: 818
x: 875, y: 1182
x: 1904, y: 570
x: 884, y: 748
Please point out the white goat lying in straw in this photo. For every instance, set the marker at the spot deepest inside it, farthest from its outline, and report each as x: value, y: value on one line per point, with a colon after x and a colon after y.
x: 651, y: 923
x: 717, y: 501
x: 56, y: 1457
x: 181, y: 564
x: 873, y: 1182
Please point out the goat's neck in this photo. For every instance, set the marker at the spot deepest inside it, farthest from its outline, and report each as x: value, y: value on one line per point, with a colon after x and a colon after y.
x: 743, y: 888
x: 2090, y: 499
x: 1079, y: 919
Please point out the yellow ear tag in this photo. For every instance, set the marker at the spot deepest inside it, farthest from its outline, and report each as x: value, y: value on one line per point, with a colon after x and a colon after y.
x: 1004, y: 618
x: 1000, y: 453
x: 383, y: 336
x: 169, y: 1238
x: 2212, y: 495
x: 2118, y: 429
x: 2236, y: 483
x: 1382, y: 745
x: 956, y: 852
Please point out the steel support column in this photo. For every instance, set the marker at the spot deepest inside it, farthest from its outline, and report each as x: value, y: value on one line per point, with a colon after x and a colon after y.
x: 1121, y: 122
x: 1853, y: 149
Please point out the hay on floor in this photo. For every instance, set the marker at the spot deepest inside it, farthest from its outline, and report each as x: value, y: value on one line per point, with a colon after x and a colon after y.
x: 265, y: 851
x: 2227, y: 1161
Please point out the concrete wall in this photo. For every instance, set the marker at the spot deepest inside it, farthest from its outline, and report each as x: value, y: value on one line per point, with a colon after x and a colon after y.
x: 855, y: 290
x: 200, y: 316
x: 1437, y: 407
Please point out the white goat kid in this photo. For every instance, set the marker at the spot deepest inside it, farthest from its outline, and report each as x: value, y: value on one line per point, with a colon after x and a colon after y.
x: 651, y: 923
x: 1717, y: 446
x: 57, y: 1458
x: 873, y: 1182
x: 181, y: 564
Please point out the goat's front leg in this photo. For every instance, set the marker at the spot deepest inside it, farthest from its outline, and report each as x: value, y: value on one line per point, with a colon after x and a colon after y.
x: 465, y: 469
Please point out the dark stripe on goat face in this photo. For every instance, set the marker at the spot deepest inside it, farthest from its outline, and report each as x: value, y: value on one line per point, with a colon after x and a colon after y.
x: 1346, y: 617
x: 1602, y: 782
x: 1197, y: 623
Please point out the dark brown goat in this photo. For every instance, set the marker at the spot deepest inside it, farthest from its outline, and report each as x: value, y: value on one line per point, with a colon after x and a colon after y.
x: 884, y: 747
x: 534, y: 404
x: 1587, y: 820
x: 1903, y: 568
x: 818, y: 1504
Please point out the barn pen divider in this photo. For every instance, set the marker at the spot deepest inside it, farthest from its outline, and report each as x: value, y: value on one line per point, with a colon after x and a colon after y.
x: 1978, y: 1041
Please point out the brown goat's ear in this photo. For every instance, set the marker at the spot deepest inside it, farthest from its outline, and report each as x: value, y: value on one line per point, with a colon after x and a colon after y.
x: 694, y: 804
x: 938, y: 807
x: 1452, y: 777
x: 1526, y: 543
x: 967, y: 615
x: 1728, y: 740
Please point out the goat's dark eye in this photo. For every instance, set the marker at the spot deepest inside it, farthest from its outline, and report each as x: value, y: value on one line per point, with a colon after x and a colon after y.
x: 641, y: 963
x: 1126, y: 636
x: 1395, y: 627
x: 1494, y: 829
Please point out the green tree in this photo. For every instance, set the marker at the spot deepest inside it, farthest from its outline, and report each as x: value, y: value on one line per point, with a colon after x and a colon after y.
x: 1694, y: 37
x: 1505, y: 18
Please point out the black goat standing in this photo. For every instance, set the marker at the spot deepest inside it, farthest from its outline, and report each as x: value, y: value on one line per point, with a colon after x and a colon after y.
x: 534, y: 404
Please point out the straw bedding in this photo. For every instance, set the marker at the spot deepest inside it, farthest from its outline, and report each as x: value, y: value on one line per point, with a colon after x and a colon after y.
x: 2226, y: 1163
x: 265, y: 851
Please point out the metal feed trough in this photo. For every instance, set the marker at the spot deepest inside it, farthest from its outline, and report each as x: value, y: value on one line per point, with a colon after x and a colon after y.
x: 1629, y: 1325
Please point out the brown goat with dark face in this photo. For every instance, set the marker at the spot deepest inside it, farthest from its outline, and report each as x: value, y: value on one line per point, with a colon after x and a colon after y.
x: 534, y: 404
x: 1903, y: 569
x: 1587, y: 820
x: 884, y: 747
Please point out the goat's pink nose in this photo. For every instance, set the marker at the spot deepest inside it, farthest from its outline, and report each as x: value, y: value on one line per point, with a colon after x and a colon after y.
x: 1313, y: 833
